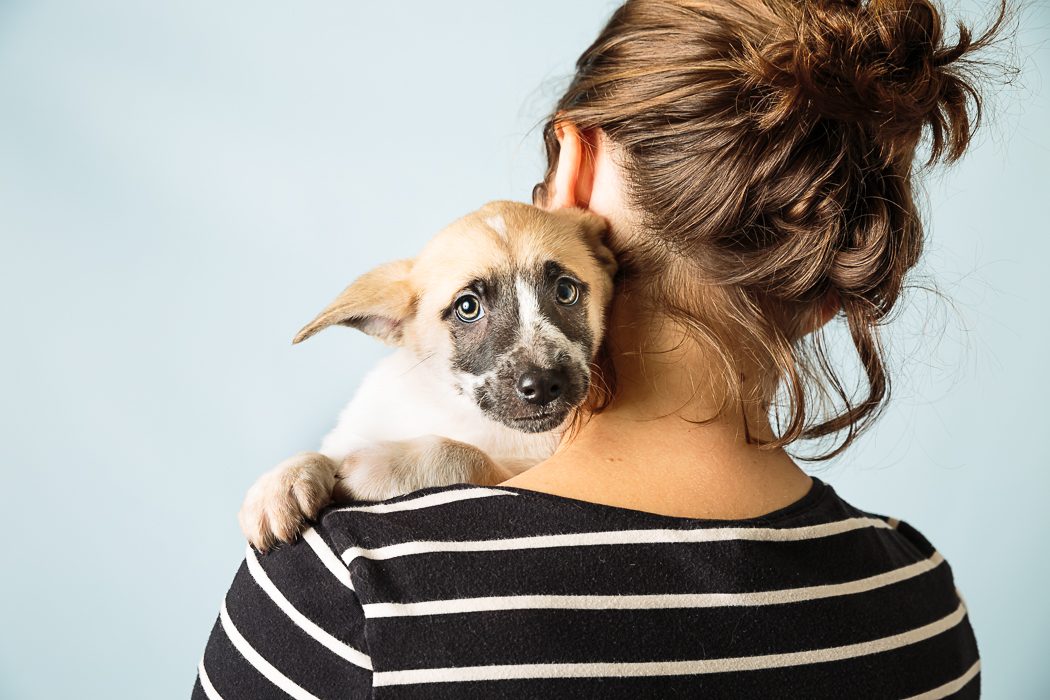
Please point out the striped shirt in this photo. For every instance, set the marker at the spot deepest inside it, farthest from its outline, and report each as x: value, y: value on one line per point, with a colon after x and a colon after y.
x: 470, y: 592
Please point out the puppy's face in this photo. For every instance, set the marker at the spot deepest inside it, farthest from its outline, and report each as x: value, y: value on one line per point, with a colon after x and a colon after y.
x: 521, y: 339
x: 507, y: 303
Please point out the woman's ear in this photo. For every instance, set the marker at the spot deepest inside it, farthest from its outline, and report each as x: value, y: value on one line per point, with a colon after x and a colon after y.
x: 573, y: 178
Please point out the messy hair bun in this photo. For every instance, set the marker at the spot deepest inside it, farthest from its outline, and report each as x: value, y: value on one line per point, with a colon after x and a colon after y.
x: 880, y: 64
x: 769, y: 147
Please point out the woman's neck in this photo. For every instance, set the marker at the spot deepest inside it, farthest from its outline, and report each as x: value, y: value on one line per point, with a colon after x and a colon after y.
x: 645, y: 450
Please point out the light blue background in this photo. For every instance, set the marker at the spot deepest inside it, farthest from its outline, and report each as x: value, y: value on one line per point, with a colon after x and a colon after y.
x: 182, y: 185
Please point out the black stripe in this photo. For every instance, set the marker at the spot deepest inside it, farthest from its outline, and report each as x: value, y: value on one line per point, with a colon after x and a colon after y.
x: 231, y: 674
x: 702, y: 567
x: 529, y: 514
x: 893, y: 674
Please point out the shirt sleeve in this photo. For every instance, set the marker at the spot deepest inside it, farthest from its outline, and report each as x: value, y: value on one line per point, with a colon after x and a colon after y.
x: 290, y: 625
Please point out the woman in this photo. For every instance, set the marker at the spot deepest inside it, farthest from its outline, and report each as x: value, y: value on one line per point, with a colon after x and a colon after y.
x: 754, y: 160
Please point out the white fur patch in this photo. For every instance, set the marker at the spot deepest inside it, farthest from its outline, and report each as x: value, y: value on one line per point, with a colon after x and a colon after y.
x: 528, y: 311
x: 497, y: 224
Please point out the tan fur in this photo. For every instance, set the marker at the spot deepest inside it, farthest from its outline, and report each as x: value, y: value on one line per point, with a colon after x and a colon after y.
x: 387, y: 469
x: 376, y: 303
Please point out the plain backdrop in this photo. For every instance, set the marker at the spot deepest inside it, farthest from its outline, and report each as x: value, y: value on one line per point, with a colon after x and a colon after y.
x: 183, y: 185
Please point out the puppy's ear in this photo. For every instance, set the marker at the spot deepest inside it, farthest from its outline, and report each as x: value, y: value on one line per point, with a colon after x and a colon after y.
x: 378, y: 303
x: 595, y: 231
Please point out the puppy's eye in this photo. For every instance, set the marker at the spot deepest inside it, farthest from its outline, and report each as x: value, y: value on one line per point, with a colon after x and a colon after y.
x: 468, y: 308
x: 568, y: 293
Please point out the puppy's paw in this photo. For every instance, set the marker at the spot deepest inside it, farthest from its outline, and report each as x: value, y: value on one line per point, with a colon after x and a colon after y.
x: 281, y: 500
x: 383, y: 470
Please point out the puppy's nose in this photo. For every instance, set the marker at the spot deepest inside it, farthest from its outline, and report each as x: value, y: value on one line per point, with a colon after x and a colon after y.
x: 541, y: 386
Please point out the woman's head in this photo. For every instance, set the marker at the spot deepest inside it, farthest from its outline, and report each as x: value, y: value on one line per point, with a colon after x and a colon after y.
x: 766, y: 151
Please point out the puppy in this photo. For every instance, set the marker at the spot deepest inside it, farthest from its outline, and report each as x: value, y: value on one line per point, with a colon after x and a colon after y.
x: 496, y: 323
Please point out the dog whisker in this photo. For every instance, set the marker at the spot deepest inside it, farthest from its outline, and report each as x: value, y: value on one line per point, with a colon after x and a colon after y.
x: 425, y: 358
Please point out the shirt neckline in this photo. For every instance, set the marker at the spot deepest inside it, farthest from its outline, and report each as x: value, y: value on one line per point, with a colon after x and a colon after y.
x: 817, y: 491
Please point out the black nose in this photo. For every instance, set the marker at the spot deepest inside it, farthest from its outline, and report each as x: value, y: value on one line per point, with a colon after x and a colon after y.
x: 541, y: 386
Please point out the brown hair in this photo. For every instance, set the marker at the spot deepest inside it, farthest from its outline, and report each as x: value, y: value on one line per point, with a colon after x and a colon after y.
x: 768, y: 147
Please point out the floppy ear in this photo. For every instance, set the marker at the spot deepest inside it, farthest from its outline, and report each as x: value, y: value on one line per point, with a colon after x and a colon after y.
x: 378, y: 303
x: 595, y: 230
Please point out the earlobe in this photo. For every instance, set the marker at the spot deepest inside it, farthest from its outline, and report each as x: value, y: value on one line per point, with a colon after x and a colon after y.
x: 378, y: 303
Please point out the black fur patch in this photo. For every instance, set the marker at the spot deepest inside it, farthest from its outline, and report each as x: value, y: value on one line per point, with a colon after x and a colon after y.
x: 477, y: 345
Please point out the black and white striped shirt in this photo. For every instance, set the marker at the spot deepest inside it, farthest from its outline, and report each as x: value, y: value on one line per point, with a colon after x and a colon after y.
x: 471, y: 592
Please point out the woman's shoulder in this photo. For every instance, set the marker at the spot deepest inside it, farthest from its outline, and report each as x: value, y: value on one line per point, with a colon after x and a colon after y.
x: 463, y: 517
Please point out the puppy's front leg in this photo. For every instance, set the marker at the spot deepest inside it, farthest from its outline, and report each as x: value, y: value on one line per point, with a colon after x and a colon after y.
x: 278, y: 503
x: 390, y: 468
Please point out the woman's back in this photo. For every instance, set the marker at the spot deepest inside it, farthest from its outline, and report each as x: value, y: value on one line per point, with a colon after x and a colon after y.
x: 463, y: 591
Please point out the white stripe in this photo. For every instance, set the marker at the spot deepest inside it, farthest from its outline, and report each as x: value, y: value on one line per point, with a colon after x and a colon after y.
x: 652, y: 602
x: 304, y: 623
x: 209, y: 689
x: 894, y: 522
x: 668, y: 668
x: 951, y: 686
x: 328, y: 557
x: 619, y: 537
x: 433, y: 499
x: 529, y: 314
x: 258, y: 662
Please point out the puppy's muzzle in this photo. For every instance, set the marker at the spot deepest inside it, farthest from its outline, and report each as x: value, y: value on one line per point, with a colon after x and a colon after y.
x: 532, y: 396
